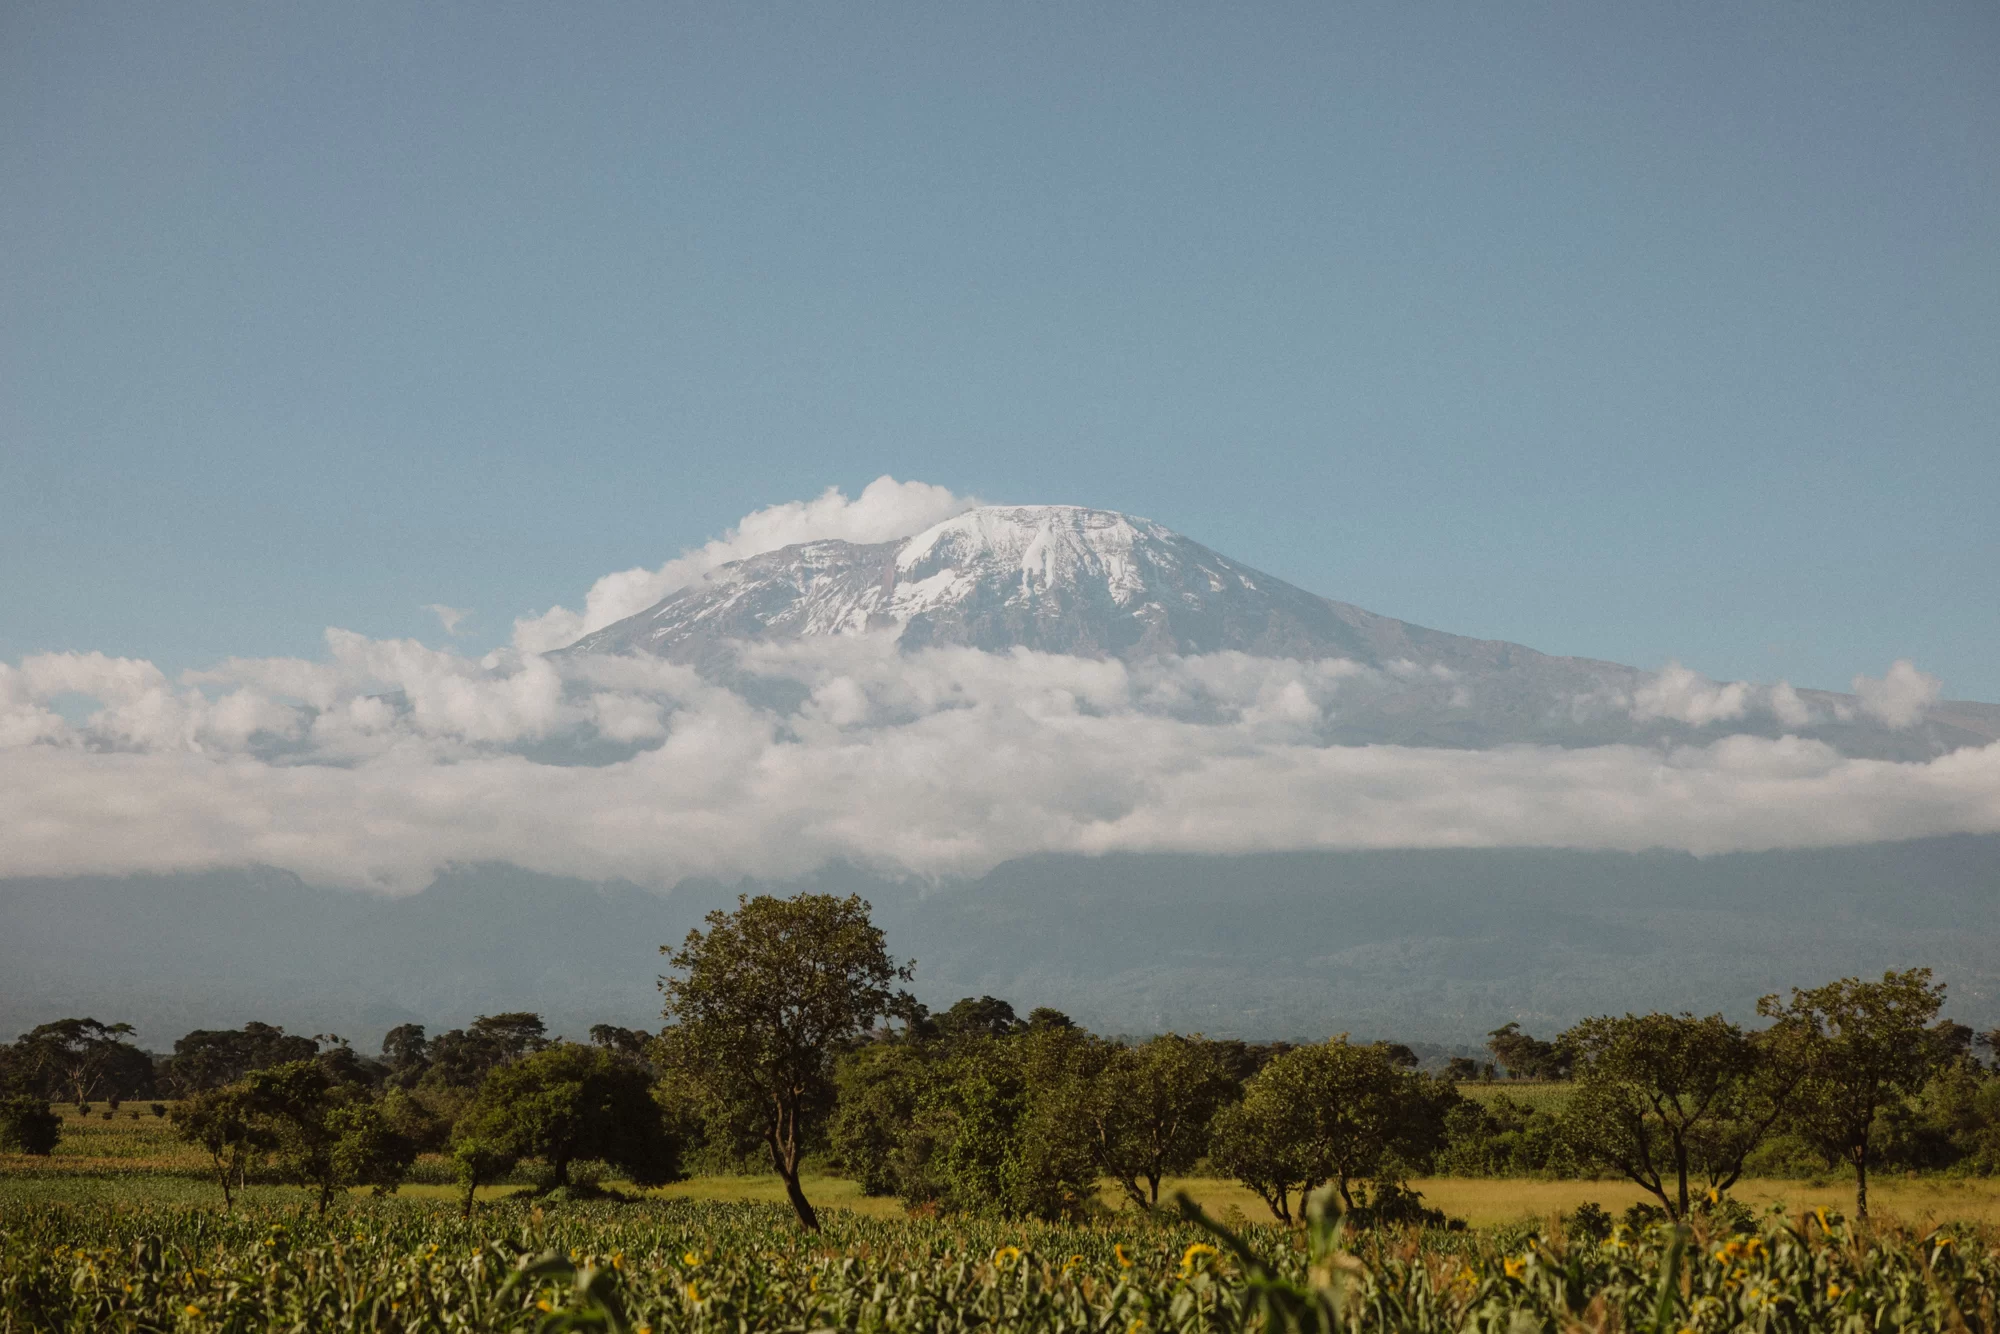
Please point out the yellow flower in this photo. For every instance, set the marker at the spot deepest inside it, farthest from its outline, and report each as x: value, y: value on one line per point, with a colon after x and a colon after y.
x: 1833, y: 1290
x: 691, y: 1260
x: 1188, y: 1256
x: 694, y: 1294
x: 1515, y: 1268
x: 1124, y: 1260
x: 1006, y: 1255
x: 1135, y: 1326
x: 1713, y: 1197
x: 617, y: 1259
x: 1072, y: 1263
x: 543, y: 1305
x: 191, y: 1309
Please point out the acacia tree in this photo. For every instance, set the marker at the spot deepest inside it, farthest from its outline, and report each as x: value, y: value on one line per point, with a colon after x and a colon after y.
x: 79, y: 1059
x: 1660, y: 1097
x: 1865, y: 1046
x: 766, y: 998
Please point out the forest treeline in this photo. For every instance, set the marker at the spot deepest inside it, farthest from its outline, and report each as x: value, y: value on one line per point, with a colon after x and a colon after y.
x: 788, y: 1042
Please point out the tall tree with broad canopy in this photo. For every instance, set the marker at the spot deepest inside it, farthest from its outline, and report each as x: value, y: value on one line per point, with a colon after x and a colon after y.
x: 1664, y: 1098
x: 1866, y: 1046
x: 766, y: 998
x: 80, y: 1059
x: 208, y: 1058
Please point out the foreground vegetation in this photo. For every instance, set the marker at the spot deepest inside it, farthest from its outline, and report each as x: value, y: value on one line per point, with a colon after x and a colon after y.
x: 973, y: 1167
x: 395, y: 1265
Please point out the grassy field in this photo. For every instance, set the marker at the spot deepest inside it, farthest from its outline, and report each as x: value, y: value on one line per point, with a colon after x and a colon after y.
x: 138, y: 1159
x: 1532, y: 1093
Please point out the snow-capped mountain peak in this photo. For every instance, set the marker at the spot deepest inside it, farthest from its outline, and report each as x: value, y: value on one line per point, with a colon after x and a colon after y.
x: 1096, y: 583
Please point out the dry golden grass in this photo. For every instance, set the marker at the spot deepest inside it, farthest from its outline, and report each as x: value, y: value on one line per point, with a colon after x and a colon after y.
x: 1483, y: 1202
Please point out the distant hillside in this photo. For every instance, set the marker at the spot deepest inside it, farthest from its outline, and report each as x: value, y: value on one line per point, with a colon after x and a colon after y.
x: 1423, y: 945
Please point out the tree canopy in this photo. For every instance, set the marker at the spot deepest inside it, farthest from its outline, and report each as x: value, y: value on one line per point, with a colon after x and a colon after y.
x: 766, y: 998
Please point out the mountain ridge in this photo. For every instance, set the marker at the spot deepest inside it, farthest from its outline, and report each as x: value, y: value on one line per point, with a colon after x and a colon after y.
x: 1097, y: 583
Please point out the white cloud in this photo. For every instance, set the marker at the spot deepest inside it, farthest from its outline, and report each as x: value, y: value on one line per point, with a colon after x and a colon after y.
x: 1900, y: 697
x: 1680, y: 695
x: 1787, y: 706
x: 886, y: 509
x: 390, y: 760
x: 448, y: 617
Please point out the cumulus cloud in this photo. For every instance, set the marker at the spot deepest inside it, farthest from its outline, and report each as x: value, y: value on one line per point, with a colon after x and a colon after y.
x: 1685, y: 696
x: 387, y: 761
x: 1900, y: 697
x: 886, y: 509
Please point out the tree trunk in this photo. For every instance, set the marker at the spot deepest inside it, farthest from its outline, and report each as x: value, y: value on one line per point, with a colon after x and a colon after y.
x: 787, y: 1167
x: 808, y: 1219
x: 1861, y: 1184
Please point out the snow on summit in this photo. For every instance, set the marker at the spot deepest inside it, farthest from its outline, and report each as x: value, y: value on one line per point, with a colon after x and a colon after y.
x: 1095, y: 583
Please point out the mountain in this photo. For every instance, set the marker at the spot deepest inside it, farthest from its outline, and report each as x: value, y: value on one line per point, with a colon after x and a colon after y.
x: 1096, y: 583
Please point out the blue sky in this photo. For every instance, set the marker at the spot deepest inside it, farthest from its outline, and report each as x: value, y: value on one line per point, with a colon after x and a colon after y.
x: 1634, y: 334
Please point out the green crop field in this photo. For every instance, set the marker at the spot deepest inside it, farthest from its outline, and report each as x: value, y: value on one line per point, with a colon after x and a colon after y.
x: 1533, y: 1094
x: 122, y: 1229
x: 399, y: 1264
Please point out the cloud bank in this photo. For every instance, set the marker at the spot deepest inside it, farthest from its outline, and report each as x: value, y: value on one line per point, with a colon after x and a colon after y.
x: 385, y: 761
x: 388, y: 761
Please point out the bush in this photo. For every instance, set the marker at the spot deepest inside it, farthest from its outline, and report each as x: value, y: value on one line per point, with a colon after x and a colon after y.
x: 29, y: 1125
x: 1590, y: 1222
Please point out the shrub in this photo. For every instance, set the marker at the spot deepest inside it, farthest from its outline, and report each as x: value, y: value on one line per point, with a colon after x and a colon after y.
x: 29, y: 1125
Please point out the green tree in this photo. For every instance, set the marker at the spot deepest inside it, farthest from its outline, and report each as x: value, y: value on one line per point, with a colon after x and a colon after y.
x: 1865, y: 1046
x: 876, y: 1087
x: 565, y: 1104
x: 29, y: 1125
x: 766, y: 999
x: 209, y: 1058
x: 221, y: 1121
x: 461, y: 1058
x: 1318, y: 1114
x: 1660, y: 1098
x: 1147, y: 1110
x: 407, y: 1054
x: 1527, y: 1057
x: 993, y: 1129
x: 323, y: 1133
x: 80, y: 1059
